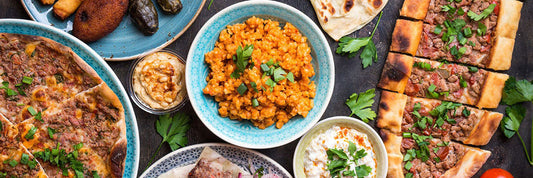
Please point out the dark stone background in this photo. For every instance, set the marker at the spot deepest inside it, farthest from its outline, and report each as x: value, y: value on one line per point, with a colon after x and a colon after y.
x: 350, y: 77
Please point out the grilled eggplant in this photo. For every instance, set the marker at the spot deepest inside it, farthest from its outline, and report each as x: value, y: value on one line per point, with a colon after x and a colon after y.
x: 144, y: 15
x: 170, y: 6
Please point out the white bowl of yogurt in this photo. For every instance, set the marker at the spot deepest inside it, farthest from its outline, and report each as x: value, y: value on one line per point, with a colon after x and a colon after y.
x: 340, y: 139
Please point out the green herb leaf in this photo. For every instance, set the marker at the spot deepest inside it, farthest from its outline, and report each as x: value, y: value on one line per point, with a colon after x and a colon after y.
x: 350, y: 46
x: 51, y: 132
x: 32, y: 111
x: 472, y: 69
x: 423, y: 65
x: 484, y: 14
x: 27, y: 80
x: 254, y: 86
x: 278, y: 74
x: 241, y: 60
x: 173, y: 130
x: 340, y: 153
x: 242, y: 88
x: 351, y: 147
x: 517, y: 91
x: 481, y: 29
x: 290, y: 77
x: 462, y: 82
x: 360, y: 105
x: 30, y: 133
x: 438, y: 30
x: 270, y: 83
x: 369, y: 53
x: 11, y: 162
x: 362, y: 170
x: 255, y: 103
x: 409, y: 175
x: 408, y: 165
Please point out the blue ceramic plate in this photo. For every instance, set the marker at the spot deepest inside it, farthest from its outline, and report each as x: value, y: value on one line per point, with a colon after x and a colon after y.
x: 189, y: 155
x: 118, y: 46
x: 99, y: 65
x: 243, y: 133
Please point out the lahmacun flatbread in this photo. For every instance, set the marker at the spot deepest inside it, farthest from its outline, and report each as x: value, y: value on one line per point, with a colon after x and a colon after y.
x: 450, y: 82
x: 479, y: 38
x: 66, y: 116
x: 413, y: 155
x: 440, y: 119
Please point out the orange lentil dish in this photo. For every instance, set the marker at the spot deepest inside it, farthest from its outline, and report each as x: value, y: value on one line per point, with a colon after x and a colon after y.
x: 261, y: 72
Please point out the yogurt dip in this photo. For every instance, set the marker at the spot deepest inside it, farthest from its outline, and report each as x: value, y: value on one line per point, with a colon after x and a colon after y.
x: 159, y: 81
x: 338, y: 137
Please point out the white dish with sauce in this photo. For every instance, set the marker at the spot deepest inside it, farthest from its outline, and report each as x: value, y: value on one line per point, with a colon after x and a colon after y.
x: 355, y: 127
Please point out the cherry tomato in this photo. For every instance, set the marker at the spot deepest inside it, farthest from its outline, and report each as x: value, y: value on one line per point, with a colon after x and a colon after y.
x: 496, y: 173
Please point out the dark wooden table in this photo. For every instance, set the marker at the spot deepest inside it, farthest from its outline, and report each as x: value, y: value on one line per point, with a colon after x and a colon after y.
x: 350, y: 77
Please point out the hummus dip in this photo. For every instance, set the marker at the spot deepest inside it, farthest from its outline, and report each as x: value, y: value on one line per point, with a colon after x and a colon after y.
x: 159, y: 80
x: 337, y: 137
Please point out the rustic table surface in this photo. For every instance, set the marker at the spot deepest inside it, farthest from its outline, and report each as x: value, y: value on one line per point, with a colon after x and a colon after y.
x: 350, y: 77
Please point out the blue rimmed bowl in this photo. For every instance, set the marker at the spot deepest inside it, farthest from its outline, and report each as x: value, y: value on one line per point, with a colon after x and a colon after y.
x: 243, y: 133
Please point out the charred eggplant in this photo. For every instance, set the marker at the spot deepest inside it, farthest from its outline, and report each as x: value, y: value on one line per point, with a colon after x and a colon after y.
x: 170, y: 6
x: 144, y: 15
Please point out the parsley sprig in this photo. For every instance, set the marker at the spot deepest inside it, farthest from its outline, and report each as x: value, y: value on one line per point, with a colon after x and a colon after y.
x: 339, y: 162
x: 241, y: 60
x: 516, y: 92
x: 361, y: 104
x: 173, y: 130
x: 350, y: 46
x: 486, y: 12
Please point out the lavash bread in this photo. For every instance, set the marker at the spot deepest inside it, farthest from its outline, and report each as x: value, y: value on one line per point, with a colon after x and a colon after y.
x: 342, y: 17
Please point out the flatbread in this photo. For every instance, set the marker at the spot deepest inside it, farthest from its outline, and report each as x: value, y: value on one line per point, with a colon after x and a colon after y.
x: 466, y: 166
x: 53, y: 88
x: 406, y: 36
x: 399, y: 75
x: 392, y: 108
x: 415, y: 9
x: 342, y: 17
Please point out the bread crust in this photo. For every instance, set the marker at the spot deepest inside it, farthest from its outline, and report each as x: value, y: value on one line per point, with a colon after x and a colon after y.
x: 501, y: 53
x: 406, y: 36
x: 471, y: 162
x: 491, y: 93
x: 396, y: 72
x: 415, y: 9
x: 392, y: 144
x: 484, y: 129
x: 391, y: 108
x: 508, y: 18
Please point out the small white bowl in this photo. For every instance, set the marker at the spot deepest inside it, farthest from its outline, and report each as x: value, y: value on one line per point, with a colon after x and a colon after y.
x: 322, y: 126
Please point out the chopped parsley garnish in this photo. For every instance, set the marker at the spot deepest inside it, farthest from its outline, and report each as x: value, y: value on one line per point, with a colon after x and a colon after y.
x: 484, y: 14
x: 242, y: 89
x: 254, y: 86
x: 466, y: 112
x: 290, y: 77
x: 438, y: 30
x: 278, y: 74
x: 472, y: 69
x: 30, y: 133
x: 350, y: 46
x: 9, y: 91
x: 241, y: 60
x: 467, y: 32
x: 65, y: 161
x: 462, y: 82
x: 255, y: 103
x: 441, y: 112
x: 27, y: 80
x: 423, y: 65
x: 51, y: 132
x: 409, y: 175
x: 270, y: 83
x: 481, y: 29
x: 431, y: 91
x: 11, y: 162
x: 32, y: 111
x: 339, y: 161
x: 360, y: 105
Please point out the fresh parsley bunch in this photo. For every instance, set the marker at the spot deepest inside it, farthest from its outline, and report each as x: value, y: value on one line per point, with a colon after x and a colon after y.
x: 173, y: 130
x: 350, y: 46
x: 516, y: 92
